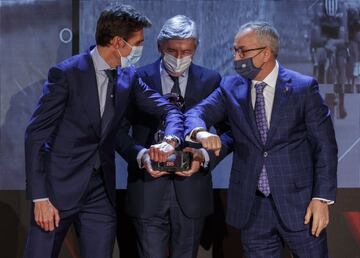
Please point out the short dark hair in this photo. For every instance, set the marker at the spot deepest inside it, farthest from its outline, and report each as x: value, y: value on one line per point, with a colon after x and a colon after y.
x: 119, y: 21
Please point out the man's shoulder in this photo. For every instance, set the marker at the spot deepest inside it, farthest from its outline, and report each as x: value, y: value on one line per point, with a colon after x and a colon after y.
x: 230, y: 81
x: 80, y: 61
x: 205, y: 71
x: 149, y: 68
x: 294, y: 76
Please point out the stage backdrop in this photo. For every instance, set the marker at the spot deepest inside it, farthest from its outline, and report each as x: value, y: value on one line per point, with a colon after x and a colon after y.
x: 218, y: 21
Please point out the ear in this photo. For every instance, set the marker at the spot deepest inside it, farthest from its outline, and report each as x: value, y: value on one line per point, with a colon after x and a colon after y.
x: 117, y: 42
x: 267, y: 54
x: 159, y: 48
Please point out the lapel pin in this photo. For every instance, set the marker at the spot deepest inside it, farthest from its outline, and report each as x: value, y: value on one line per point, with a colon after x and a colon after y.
x: 286, y: 90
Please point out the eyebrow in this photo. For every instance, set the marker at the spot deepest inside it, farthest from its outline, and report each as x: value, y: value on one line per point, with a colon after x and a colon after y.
x: 241, y: 47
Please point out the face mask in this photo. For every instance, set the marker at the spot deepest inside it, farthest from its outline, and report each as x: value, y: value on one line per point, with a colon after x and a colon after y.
x: 246, y: 68
x: 176, y: 65
x: 133, y: 57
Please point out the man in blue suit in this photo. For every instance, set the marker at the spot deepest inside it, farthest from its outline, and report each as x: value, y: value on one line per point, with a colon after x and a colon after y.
x: 70, y: 169
x: 285, y: 154
x: 168, y: 210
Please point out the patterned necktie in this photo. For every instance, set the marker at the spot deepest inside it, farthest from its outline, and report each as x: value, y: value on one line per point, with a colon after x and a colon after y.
x: 110, y: 100
x: 261, y: 122
x: 176, y: 87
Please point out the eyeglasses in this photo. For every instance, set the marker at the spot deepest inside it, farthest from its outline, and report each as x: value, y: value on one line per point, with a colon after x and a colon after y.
x: 241, y: 52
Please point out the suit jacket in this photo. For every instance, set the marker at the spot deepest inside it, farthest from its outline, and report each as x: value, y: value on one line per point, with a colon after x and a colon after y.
x: 64, y: 133
x: 144, y: 192
x: 300, y: 154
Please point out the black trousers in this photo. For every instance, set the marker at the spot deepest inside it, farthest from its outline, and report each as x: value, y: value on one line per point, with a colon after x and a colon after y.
x: 265, y: 235
x: 94, y: 219
x: 169, y: 233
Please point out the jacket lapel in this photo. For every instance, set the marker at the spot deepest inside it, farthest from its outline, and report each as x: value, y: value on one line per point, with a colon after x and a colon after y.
x: 282, y: 92
x: 153, y: 77
x: 89, y: 93
x: 242, y: 93
x: 193, y: 86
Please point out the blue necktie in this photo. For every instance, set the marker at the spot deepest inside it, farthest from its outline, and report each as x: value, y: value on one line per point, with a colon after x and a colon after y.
x: 176, y: 86
x: 109, y: 103
x: 261, y: 122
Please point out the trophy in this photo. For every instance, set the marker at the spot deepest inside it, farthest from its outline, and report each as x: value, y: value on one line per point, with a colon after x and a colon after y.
x: 179, y: 160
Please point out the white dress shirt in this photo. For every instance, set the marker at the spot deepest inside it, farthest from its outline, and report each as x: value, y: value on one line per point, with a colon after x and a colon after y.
x: 101, y: 78
x: 269, y: 91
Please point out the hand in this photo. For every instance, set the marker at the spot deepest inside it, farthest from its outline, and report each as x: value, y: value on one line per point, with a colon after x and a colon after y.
x: 160, y: 152
x: 319, y: 212
x: 146, y: 161
x: 209, y: 141
x: 46, y: 215
x: 198, y: 159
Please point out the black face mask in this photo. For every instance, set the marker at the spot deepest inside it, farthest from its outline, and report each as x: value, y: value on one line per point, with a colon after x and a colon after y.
x: 246, y: 68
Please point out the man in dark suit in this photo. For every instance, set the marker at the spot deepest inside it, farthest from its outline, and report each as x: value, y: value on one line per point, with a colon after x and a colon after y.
x: 168, y: 210
x: 285, y: 154
x: 70, y: 170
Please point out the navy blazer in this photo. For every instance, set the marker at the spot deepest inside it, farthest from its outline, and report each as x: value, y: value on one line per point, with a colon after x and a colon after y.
x: 300, y: 154
x: 144, y: 192
x: 64, y: 136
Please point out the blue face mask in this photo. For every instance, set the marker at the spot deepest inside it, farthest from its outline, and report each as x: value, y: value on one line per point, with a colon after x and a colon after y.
x: 133, y: 57
x: 246, y: 68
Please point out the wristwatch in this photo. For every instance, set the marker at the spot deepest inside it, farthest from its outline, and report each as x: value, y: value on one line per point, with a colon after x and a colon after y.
x: 195, y: 132
x: 171, y: 139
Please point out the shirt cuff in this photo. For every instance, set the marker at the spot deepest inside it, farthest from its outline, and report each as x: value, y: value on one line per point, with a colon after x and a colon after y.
x: 139, y: 157
x: 190, y: 137
x: 40, y: 199
x: 329, y: 202
x: 206, y: 157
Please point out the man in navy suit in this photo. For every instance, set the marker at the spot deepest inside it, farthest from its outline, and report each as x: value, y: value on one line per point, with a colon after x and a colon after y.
x: 285, y: 154
x: 70, y: 170
x: 168, y: 210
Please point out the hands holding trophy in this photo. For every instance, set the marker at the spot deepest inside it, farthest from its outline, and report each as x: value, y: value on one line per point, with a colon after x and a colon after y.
x: 166, y: 157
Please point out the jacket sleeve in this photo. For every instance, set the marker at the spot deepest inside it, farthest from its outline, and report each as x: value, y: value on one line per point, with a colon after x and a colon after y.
x: 43, y: 122
x: 207, y: 113
x: 321, y: 134
x: 126, y: 145
x: 153, y: 103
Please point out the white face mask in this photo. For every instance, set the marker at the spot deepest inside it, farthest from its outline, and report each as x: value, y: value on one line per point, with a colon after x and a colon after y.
x: 133, y: 57
x: 176, y: 65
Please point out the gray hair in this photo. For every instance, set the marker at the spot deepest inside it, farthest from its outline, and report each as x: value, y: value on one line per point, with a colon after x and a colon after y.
x: 178, y: 27
x: 265, y: 33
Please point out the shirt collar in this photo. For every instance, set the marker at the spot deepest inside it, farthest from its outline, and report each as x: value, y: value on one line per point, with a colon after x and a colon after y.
x: 271, y: 78
x: 163, y: 71
x: 99, y: 62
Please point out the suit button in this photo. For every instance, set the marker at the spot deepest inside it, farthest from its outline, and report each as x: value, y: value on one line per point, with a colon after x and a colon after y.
x: 265, y: 154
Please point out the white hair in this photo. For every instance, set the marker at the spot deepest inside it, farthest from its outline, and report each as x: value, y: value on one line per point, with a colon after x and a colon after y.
x: 178, y: 27
x: 265, y: 33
